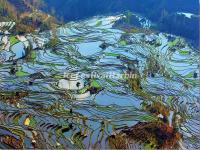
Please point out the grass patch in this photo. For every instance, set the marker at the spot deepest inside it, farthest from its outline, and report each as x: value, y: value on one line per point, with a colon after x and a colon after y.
x: 95, y: 83
x: 99, y: 23
x: 122, y: 43
x: 173, y: 43
x: 21, y: 73
x: 13, y: 40
x: 111, y: 54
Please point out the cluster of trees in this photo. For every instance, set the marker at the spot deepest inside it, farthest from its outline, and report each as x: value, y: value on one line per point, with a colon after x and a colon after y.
x: 170, y: 23
x: 26, y: 15
x: 180, y: 25
x: 29, y: 25
x: 7, y: 11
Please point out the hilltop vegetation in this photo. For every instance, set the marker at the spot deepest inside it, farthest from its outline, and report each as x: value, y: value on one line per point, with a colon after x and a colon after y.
x: 27, y: 16
x: 7, y: 11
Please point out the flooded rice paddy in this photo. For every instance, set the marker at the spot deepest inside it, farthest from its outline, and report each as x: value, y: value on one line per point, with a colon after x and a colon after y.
x: 42, y: 106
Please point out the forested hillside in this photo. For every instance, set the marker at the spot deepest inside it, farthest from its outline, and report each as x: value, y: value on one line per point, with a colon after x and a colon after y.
x: 26, y: 15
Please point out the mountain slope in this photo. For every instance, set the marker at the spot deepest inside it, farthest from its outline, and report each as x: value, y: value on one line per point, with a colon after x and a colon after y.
x: 161, y: 12
x: 29, y: 14
x: 7, y: 10
x: 26, y: 15
x: 79, y: 9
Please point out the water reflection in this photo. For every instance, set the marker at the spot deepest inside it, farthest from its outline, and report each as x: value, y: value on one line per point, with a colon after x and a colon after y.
x: 40, y: 108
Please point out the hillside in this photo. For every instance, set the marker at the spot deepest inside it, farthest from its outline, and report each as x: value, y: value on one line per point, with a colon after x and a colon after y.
x: 163, y: 13
x: 26, y: 15
x: 34, y: 14
x: 7, y: 11
x: 79, y: 9
x: 98, y: 87
x: 109, y: 74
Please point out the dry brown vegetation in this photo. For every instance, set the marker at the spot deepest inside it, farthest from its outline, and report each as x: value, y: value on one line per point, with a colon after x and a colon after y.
x: 26, y: 15
x: 7, y: 10
x: 155, y: 135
